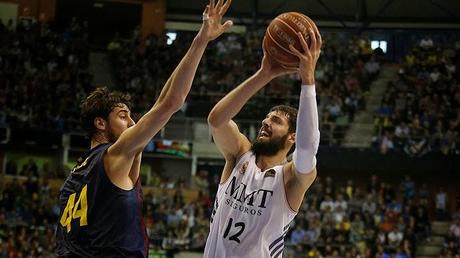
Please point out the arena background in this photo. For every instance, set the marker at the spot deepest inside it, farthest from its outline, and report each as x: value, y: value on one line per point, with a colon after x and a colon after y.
x: 388, y: 95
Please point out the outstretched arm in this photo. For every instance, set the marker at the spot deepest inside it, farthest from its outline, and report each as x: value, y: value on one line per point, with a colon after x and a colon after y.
x: 225, y: 132
x: 300, y: 173
x: 180, y: 81
x: 172, y: 97
x: 231, y: 143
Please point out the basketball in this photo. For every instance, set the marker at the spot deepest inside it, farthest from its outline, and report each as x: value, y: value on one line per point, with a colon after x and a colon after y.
x: 281, y: 33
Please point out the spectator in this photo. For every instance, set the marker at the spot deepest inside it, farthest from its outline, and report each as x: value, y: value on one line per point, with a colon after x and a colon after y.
x: 298, y: 235
x: 369, y: 205
x: 441, y: 204
x: 426, y: 43
x: 372, y: 67
x: 200, y: 180
x: 395, y: 238
x: 327, y: 203
x: 454, y: 229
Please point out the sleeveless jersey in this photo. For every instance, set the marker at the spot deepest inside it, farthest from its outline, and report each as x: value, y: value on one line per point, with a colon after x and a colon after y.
x: 251, y: 214
x: 97, y: 218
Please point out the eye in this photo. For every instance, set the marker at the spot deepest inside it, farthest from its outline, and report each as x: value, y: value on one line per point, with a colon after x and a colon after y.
x: 276, y: 120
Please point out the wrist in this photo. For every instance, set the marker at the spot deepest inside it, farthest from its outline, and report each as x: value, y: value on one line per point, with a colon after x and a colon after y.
x: 309, y: 80
x: 200, y: 39
x: 265, y: 74
x: 257, y: 81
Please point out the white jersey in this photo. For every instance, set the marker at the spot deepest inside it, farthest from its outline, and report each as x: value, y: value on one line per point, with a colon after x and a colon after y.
x: 251, y: 214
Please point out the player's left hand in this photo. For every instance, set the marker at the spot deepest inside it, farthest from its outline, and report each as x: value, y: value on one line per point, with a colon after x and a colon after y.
x: 309, y: 58
x: 212, y: 26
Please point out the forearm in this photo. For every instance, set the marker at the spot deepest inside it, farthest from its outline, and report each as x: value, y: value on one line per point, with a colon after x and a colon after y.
x: 307, y: 132
x: 229, y: 106
x: 179, y: 83
x: 171, y: 99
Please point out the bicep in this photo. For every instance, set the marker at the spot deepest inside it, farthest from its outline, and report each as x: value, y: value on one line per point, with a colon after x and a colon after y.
x: 229, y: 140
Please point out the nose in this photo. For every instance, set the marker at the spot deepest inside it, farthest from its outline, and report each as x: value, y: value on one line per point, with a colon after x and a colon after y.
x: 131, y: 122
x: 265, y: 122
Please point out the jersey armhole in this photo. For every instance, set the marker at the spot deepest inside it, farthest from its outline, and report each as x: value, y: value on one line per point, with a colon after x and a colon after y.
x: 237, y: 163
x: 286, y: 202
x: 102, y: 164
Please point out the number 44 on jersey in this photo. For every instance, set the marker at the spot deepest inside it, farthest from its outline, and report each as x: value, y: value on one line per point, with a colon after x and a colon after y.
x: 75, y: 210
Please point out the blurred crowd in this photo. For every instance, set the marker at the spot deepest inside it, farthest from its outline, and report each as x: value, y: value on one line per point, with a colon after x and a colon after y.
x: 451, y: 246
x: 28, y: 217
x: 352, y: 219
x: 43, y: 74
x: 420, y: 110
x: 31, y: 169
x: 343, y: 78
x: 343, y: 75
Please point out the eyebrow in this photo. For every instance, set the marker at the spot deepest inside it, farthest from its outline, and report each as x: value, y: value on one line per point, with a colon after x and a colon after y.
x: 123, y: 110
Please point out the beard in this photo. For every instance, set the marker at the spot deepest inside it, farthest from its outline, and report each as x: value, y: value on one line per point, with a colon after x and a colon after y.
x: 111, y: 135
x: 270, y: 148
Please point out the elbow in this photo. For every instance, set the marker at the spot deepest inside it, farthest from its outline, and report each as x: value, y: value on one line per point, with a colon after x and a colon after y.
x: 213, y: 119
x: 173, y: 104
x: 216, y: 118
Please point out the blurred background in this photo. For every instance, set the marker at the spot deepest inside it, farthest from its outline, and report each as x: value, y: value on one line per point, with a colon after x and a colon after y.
x: 388, y: 92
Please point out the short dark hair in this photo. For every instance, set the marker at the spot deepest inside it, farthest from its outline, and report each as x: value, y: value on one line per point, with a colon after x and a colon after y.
x: 291, y: 114
x: 100, y: 103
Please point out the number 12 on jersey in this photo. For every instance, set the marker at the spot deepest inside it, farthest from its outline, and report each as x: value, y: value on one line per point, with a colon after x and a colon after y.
x: 235, y: 236
x: 71, y: 210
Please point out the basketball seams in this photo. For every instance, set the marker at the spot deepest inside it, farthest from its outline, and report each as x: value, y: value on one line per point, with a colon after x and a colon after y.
x: 268, y: 51
x: 279, y: 45
x: 282, y: 32
x: 293, y: 31
x: 310, y: 21
x: 269, y: 33
x: 304, y: 33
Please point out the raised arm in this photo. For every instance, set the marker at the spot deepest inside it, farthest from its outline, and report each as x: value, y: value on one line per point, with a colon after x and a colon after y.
x: 184, y: 73
x: 172, y: 97
x: 225, y: 132
x: 300, y: 173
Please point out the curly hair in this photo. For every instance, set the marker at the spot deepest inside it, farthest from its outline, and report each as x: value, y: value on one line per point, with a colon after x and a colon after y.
x: 100, y: 103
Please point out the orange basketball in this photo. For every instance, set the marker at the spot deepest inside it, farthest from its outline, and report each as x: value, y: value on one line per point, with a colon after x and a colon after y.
x: 281, y: 33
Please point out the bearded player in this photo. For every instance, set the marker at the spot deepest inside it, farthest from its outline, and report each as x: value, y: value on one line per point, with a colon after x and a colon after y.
x: 260, y: 192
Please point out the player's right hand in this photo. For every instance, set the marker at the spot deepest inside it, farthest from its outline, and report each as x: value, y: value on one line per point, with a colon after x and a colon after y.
x: 273, y: 69
x: 212, y: 26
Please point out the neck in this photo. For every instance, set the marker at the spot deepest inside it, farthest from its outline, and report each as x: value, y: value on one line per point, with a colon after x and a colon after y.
x: 266, y: 162
x: 98, y: 139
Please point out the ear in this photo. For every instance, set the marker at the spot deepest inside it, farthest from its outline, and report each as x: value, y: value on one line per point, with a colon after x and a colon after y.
x: 291, y: 138
x: 100, y: 123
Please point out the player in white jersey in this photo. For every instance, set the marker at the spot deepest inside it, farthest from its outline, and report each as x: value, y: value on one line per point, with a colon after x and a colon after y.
x: 260, y: 192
